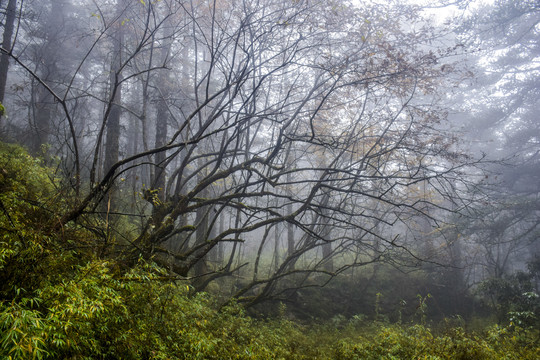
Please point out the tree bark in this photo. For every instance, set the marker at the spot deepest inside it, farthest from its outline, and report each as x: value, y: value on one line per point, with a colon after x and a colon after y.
x: 6, y: 44
x: 112, y: 140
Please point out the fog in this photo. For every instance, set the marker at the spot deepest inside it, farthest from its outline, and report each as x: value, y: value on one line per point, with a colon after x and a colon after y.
x: 297, y: 152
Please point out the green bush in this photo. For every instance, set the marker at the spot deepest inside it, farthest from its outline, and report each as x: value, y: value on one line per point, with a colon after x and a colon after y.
x: 97, y: 314
x: 24, y: 186
x: 59, y: 300
x: 418, y: 342
x: 514, y: 298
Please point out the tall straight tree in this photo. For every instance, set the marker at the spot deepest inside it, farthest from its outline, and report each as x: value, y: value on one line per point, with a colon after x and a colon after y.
x: 51, y: 71
x: 7, y: 36
x: 112, y: 141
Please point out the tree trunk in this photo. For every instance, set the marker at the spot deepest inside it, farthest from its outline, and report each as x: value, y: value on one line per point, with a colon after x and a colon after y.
x: 112, y: 140
x: 43, y: 113
x: 162, y: 120
x: 44, y: 107
x: 324, y: 232
x: 6, y: 45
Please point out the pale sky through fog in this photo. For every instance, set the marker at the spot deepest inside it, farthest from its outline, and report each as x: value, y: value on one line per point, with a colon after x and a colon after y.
x: 440, y: 14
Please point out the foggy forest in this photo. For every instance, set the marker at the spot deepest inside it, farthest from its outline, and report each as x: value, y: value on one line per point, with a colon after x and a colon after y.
x: 269, y: 179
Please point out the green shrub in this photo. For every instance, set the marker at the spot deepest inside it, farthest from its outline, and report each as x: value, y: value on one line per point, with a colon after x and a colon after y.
x: 418, y: 342
x: 59, y: 300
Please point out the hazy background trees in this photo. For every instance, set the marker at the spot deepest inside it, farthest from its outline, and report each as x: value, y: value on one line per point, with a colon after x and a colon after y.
x: 502, y: 113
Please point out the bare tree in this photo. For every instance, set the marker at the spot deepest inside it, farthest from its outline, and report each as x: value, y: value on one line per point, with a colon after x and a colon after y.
x: 312, y: 117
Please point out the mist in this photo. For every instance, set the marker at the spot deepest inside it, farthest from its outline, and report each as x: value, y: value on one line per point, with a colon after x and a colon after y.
x: 324, y: 162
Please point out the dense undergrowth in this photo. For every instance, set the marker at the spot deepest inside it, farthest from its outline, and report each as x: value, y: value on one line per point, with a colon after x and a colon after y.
x: 60, y: 300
